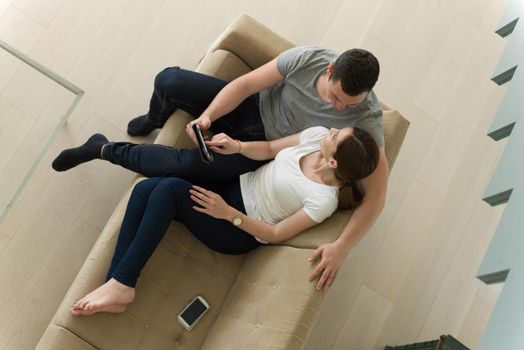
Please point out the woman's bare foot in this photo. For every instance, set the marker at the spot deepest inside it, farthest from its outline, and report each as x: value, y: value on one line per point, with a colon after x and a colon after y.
x: 112, y: 297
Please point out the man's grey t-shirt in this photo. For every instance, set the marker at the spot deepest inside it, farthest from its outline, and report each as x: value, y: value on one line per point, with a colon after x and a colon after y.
x: 294, y: 104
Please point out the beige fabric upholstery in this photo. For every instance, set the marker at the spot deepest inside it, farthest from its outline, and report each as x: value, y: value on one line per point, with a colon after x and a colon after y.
x: 58, y: 338
x: 262, y: 300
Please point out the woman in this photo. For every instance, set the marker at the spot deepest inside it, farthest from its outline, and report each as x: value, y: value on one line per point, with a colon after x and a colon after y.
x: 313, y: 173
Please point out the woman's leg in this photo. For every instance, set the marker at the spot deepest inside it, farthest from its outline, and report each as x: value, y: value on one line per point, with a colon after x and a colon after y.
x: 132, y: 219
x: 113, y: 296
x: 169, y: 198
x: 217, y: 234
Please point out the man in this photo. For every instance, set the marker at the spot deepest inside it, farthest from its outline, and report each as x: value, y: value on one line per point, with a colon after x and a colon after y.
x: 302, y: 87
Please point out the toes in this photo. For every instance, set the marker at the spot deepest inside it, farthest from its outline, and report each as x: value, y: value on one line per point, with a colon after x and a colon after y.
x: 83, y: 304
x: 88, y: 307
x: 81, y: 313
x: 77, y: 304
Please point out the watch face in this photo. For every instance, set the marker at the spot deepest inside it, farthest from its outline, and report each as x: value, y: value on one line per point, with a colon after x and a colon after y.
x: 237, y: 221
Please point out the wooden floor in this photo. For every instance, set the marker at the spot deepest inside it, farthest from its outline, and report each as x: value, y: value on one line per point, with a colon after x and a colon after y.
x: 411, y: 278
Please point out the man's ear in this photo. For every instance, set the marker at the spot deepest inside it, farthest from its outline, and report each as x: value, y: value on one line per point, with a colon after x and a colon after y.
x: 330, y: 69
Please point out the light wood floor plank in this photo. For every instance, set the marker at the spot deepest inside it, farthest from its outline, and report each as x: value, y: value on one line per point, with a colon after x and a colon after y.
x: 364, y: 322
x: 40, y: 12
x: 461, y: 113
x: 349, y: 26
x: 9, y: 65
x: 57, y: 210
x: 18, y: 30
x: 50, y: 288
x: 476, y: 320
x: 403, y: 241
x: 460, y: 286
x: 447, y: 65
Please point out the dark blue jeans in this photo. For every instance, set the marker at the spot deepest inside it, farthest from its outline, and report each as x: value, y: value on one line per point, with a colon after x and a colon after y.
x: 154, y: 203
x: 192, y: 92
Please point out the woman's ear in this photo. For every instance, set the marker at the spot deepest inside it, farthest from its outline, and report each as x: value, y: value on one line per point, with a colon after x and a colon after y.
x: 332, y: 163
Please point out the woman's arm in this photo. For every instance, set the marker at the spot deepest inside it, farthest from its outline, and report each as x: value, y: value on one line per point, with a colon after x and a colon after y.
x: 279, y: 232
x: 212, y: 204
x: 257, y: 150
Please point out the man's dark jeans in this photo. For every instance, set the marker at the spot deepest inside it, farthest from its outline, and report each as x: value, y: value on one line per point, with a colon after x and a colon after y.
x: 192, y: 92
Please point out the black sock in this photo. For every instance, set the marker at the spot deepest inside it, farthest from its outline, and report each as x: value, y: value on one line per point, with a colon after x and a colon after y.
x: 72, y: 157
x: 141, y: 126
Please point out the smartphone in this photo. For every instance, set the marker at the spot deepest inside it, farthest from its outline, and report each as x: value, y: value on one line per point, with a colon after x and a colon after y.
x: 193, y: 312
x: 204, y: 152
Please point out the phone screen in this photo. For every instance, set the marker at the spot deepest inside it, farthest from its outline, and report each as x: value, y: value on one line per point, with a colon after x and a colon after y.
x: 193, y: 311
x: 204, y: 153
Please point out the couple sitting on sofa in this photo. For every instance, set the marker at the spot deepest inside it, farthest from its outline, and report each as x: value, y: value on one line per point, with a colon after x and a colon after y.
x: 239, y: 201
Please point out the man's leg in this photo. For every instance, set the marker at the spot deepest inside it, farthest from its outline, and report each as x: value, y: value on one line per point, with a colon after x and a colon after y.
x: 243, y: 123
x: 176, y: 88
x: 159, y: 160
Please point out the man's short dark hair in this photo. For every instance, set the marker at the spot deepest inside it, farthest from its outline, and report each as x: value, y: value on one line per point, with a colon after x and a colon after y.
x: 357, y: 71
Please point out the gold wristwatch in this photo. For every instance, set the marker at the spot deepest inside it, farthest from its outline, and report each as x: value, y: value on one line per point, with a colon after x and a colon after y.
x: 237, y: 220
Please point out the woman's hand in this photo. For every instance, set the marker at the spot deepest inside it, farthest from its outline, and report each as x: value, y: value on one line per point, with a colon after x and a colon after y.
x: 210, y: 203
x: 223, y: 144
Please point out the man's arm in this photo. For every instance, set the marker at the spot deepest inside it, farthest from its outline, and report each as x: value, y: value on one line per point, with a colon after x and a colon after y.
x: 332, y: 254
x: 237, y: 91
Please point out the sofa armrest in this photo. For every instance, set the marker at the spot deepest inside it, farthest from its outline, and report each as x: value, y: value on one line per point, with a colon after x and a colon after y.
x: 59, y: 338
x: 251, y: 41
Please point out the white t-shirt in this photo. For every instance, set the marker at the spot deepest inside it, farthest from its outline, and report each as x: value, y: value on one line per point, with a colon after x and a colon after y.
x: 279, y: 189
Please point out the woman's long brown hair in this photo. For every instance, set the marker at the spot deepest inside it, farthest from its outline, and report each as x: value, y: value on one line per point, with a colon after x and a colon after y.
x: 357, y: 157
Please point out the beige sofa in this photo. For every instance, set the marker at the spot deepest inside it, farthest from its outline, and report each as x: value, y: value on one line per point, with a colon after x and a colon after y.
x: 261, y: 300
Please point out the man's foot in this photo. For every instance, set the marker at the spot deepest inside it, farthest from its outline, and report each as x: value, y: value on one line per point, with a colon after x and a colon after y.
x: 112, y: 297
x: 72, y: 157
x: 141, y: 126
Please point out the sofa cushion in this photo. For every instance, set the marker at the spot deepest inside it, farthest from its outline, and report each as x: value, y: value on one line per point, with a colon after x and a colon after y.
x: 223, y: 64
x: 395, y: 129
x: 271, y: 302
x: 251, y: 41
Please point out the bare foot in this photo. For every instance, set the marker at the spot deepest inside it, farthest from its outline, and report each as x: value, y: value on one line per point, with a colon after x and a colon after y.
x: 112, y: 297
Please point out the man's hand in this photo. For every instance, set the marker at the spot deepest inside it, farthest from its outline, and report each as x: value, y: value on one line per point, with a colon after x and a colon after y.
x: 204, y: 123
x: 331, y: 258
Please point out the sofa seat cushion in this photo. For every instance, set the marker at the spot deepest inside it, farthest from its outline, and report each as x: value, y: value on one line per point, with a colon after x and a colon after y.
x: 271, y: 302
